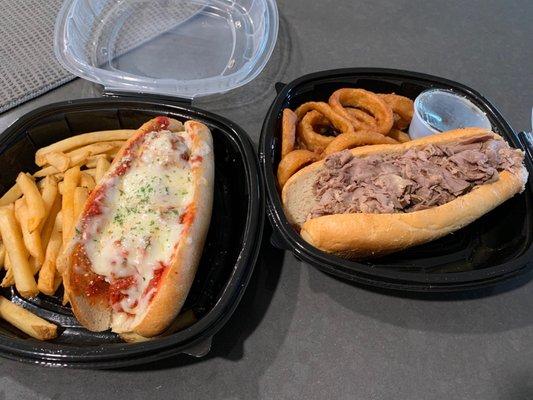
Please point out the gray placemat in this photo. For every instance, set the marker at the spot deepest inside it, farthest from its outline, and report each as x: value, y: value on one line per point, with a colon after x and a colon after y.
x: 28, y: 66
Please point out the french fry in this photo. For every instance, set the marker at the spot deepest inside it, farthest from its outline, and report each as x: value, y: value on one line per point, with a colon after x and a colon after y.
x: 92, y: 161
x: 78, y: 159
x: 59, y: 217
x: 101, y: 167
x: 36, y: 207
x: 46, y: 230
x: 87, y: 181
x: 113, y: 153
x: 92, y: 172
x: 61, y: 260
x: 18, y: 255
x: 58, y: 160
x: 11, y: 195
x: 58, y: 280
x: 81, y: 140
x: 66, y: 299
x: 46, y: 171
x: 2, y: 254
x: 70, y: 182
x: 117, y: 144
x: 49, y: 189
x: 49, y: 193
x: 46, y: 282
x: 26, y: 321
x: 35, y: 265
x: 8, y: 280
x: 95, y: 148
x: 32, y: 240
x: 80, y: 197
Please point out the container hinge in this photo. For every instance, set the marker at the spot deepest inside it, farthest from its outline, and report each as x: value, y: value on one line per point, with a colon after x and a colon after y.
x: 279, y: 86
x: 199, y: 349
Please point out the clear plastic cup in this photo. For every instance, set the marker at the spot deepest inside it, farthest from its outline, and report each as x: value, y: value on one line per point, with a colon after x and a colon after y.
x: 440, y: 110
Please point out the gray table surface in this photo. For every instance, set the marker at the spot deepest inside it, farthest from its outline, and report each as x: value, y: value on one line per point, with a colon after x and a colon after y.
x: 301, y: 334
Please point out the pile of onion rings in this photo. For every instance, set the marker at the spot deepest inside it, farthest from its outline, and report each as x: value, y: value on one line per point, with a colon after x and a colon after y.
x: 351, y: 118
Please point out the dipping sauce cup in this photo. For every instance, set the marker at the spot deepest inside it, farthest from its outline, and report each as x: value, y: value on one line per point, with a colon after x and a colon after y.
x: 440, y: 110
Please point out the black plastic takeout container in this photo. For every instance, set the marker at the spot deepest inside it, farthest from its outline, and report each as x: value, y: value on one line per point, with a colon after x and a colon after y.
x: 492, y: 249
x: 229, y: 254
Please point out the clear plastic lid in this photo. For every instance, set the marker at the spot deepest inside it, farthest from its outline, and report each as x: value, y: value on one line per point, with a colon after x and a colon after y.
x: 179, y: 48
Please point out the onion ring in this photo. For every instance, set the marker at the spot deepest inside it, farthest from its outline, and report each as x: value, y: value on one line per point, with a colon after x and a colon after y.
x: 292, y: 163
x: 313, y: 113
x: 366, y: 119
x: 366, y: 100
x: 288, y: 131
x: 308, y: 136
x: 402, y: 107
x: 400, y: 136
x: 360, y: 138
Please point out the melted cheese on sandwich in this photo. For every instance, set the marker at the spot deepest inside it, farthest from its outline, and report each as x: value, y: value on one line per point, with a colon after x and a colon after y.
x: 141, y: 217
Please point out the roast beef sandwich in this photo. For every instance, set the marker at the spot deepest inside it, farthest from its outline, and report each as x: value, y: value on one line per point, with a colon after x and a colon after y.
x: 375, y: 200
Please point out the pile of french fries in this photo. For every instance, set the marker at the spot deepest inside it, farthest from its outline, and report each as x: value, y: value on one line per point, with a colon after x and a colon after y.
x: 38, y: 216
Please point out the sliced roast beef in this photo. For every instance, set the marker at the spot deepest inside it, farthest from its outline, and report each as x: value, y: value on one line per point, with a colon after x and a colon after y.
x: 422, y: 177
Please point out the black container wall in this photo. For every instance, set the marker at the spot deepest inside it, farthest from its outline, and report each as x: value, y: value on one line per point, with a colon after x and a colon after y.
x: 493, y: 249
x: 229, y: 255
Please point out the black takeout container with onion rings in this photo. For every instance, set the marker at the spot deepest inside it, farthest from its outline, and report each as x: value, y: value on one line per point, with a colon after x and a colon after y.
x: 492, y: 249
x: 229, y: 254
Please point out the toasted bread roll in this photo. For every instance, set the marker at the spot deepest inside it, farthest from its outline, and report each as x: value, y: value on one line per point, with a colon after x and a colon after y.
x: 140, y: 236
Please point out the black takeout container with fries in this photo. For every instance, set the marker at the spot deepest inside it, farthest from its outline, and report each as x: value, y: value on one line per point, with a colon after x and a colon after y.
x: 151, y: 57
x: 493, y: 249
x: 229, y: 254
